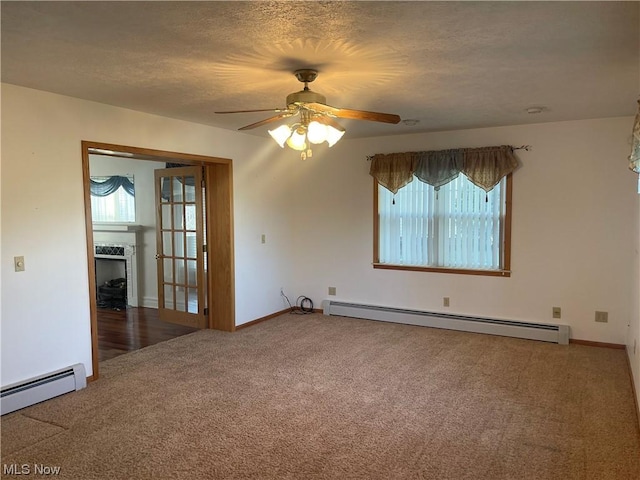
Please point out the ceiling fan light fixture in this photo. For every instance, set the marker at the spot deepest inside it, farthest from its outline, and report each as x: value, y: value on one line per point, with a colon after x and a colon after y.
x: 297, y: 140
x: 281, y: 134
x: 334, y: 134
x: 317, y: 132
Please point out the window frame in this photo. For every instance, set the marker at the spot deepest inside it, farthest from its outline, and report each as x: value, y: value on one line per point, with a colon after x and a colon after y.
x: 505, y: 234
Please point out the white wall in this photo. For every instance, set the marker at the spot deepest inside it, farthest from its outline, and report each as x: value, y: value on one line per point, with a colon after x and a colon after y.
x: 574, y: 216
x: 45, y: 310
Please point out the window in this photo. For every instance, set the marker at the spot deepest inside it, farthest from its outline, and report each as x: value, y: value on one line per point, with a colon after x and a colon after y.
x: 113, y: 200
x: 459, y: 228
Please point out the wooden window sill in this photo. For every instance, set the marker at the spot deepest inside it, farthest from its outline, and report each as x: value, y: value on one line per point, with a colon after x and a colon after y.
x: 460, y: 271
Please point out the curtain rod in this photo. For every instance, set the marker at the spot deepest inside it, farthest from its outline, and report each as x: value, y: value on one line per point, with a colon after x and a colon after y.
x: 527, y: 148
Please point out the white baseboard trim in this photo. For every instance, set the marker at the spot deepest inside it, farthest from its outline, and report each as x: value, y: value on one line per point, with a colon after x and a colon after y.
x: 149, y: 302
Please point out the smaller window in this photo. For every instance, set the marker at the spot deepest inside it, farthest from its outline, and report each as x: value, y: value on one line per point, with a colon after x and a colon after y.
x: 113, y: 199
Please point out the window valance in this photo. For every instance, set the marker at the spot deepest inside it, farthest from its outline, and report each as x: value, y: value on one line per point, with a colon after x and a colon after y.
x: 110, y: 185
x: 634, y: 158
x: 485, y: 166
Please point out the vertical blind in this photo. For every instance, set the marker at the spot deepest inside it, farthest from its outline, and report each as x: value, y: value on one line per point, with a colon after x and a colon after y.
x: 456, y: 226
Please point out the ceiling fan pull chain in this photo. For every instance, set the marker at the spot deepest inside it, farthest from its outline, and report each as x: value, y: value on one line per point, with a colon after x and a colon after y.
x: 308, y: 154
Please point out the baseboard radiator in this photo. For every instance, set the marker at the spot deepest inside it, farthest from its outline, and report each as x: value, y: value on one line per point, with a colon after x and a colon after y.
x: 38, y: 389
x: 507, y: 328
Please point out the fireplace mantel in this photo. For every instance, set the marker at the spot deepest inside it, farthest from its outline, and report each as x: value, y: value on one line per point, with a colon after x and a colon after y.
x: 115, y: 227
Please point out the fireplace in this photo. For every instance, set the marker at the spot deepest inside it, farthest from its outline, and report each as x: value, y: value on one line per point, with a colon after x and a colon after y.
x: 115, y: 256
x: 111, y: 282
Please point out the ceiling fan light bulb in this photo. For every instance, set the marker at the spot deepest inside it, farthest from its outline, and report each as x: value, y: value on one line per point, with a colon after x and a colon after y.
x: 297, y: 141
x: 281, y: 134
x: 317, y: 132
x: 333, y: 135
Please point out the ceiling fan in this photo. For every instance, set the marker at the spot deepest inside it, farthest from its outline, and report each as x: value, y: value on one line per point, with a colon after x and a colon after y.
x: 316, y: 123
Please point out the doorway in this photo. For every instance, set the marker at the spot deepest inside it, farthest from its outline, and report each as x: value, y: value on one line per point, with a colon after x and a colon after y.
x: 212, y: 279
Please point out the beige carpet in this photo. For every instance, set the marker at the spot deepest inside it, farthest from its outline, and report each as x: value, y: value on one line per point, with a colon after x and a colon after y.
x: 311, y: 397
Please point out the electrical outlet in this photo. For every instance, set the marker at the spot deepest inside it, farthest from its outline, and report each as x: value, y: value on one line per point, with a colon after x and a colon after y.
x: 332, y: 290
x: 556, y: 312
x: 263, y: 238
x: 602, y: 317
x: 445, y: 301
x: 18, y: 263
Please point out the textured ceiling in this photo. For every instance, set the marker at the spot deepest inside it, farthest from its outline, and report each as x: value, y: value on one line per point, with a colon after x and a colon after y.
x: 450, y: 65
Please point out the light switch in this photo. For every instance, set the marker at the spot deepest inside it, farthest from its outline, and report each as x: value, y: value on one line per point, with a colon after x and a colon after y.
x: 18, y: 263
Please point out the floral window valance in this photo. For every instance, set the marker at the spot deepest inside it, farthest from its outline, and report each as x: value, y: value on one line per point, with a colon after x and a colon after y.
x: 634, y: 158
x: 485, y: 167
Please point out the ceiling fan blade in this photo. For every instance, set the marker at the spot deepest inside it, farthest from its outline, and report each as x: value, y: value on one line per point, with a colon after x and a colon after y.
x: 354, y: 114
x: 277, y: 110
x: 327, y: 120
x: 267, y: 120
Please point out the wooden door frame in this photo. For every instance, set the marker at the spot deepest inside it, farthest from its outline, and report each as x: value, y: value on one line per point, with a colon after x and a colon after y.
x: 218, y: 173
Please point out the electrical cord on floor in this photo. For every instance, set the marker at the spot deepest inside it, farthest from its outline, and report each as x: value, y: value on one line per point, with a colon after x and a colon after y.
x: 303, y: 306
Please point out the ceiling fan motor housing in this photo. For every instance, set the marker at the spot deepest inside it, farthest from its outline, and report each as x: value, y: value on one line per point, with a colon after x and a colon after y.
x: 305, y: 96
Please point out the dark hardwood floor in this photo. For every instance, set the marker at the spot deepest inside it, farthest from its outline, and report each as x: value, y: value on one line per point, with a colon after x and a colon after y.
x: 133, y: 328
